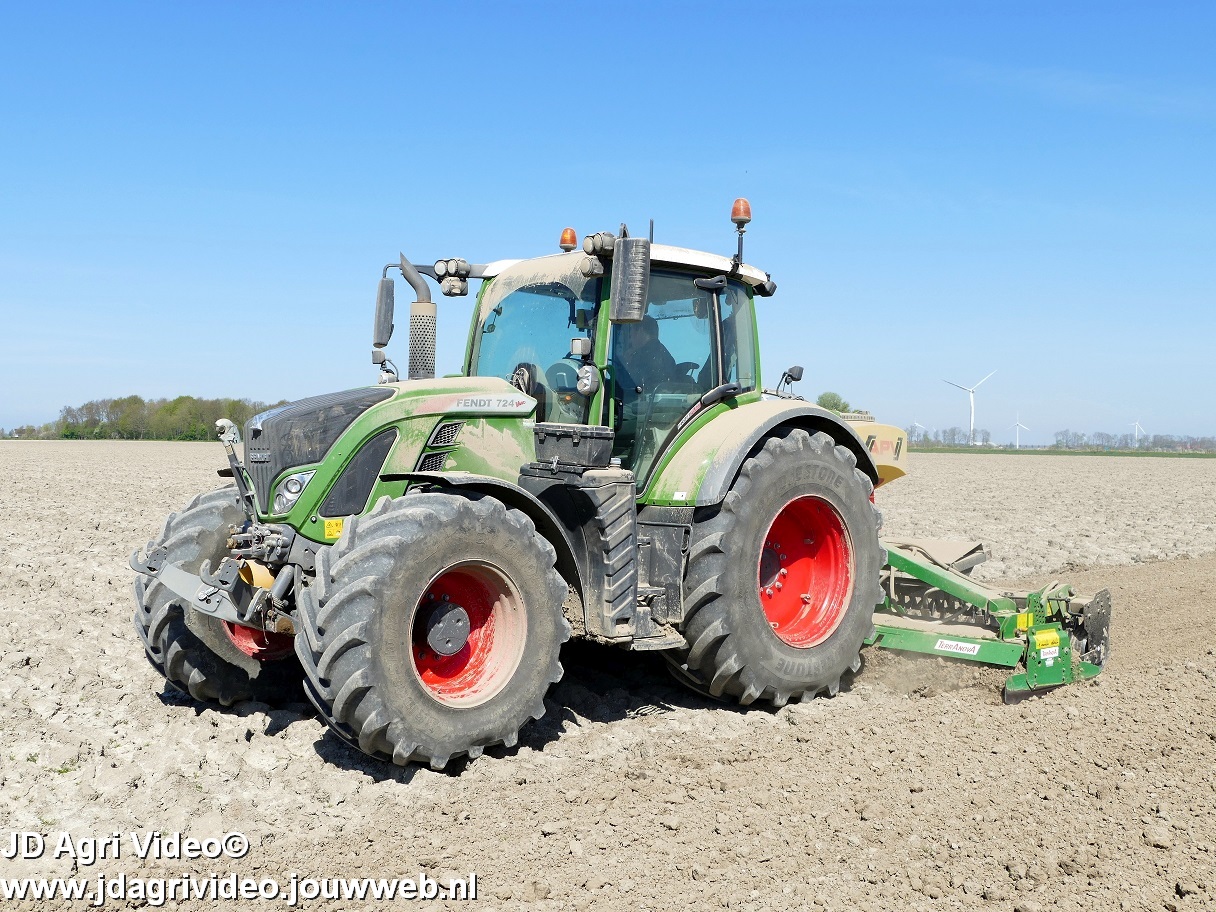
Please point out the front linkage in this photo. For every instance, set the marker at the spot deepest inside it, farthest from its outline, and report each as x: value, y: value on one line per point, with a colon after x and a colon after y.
x: 253, y: 586
x: 932, y: 606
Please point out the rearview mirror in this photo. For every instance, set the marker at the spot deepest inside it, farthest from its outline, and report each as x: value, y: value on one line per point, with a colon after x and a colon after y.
x: 630, y: 280
x: 383, y: 329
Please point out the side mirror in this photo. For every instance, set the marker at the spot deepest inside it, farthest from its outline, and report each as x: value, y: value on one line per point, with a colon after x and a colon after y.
x: 580, y: 347
x: 795, y: 373
x: 383, y: 329
x: 630, y: 280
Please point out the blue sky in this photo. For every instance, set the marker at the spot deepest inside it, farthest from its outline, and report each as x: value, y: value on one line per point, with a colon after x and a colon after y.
x: 198, y: 198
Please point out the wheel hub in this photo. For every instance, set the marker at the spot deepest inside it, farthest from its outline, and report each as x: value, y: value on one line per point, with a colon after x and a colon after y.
x: 805, y: 572
x: 447, y: 629
x: 468, y: 634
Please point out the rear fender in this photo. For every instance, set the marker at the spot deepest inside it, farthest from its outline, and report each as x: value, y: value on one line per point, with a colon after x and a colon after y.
x: 703, y: 468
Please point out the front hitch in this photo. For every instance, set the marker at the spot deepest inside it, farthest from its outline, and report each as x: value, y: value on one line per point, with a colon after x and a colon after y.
x: 225, y: 595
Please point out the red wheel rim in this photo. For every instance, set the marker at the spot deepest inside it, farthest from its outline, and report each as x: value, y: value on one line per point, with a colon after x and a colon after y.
x: 497, y: 628
x: 259, y: 644
x: 806, y: 572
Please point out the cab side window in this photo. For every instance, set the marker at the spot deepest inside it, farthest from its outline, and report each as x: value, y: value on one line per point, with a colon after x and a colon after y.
x: 738, y: 337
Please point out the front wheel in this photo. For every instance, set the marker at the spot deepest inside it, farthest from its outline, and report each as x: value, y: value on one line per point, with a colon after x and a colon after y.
x: 211, y: 660
x: 433, y: 627
x: 783, y: 578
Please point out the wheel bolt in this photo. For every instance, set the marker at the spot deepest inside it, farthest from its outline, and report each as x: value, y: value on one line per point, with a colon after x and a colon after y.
x: 784, y: 572
x: 783, y: 557
x: 777, y: 586
x: 769, y: 591
x: 806, y: 598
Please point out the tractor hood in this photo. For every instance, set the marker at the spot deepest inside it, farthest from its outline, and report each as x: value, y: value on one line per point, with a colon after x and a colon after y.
x: 305, y: 432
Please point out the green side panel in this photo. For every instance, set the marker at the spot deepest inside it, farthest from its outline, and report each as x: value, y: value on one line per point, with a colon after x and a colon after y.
x: 930, y: 642
x: 496, y: 447
x: 1049, y: 661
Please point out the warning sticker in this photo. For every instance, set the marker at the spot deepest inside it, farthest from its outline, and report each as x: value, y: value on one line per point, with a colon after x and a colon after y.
x: 956, y: 647
x: 1046, y: 638
x: 333, y: 527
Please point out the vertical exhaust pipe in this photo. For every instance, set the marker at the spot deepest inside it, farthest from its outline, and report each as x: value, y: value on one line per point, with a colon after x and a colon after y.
x: 422, y: 325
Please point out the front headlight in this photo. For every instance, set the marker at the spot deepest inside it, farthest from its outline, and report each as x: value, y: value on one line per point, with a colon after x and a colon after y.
x: 290, y: 489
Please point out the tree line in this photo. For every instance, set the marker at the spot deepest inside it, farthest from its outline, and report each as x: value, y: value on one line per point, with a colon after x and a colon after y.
x: 1164, y: 443
x: 1098, y: 441
x: 135, y: 418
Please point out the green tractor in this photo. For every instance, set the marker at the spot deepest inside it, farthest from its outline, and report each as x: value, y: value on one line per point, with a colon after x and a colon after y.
x: 606, y: 465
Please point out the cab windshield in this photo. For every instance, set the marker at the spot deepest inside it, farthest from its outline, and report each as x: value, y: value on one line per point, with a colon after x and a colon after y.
x: 527, y: 317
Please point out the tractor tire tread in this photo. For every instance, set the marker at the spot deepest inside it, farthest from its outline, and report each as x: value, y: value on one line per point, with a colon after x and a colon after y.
x: 336, y: 611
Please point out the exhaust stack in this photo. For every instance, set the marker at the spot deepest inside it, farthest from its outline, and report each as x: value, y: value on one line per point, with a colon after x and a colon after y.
x: 422, y: 325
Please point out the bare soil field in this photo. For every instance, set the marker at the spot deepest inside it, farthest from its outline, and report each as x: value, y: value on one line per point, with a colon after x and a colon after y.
x: 915, y: 788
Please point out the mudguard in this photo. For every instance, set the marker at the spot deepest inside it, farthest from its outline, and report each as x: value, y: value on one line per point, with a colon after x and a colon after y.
x: 545, y: 520
x: 703, y: 467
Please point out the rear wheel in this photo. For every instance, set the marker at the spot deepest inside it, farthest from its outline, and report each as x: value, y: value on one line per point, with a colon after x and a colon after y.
x: 433, y: 627
x: 783, y: 578
x: 209, y: 659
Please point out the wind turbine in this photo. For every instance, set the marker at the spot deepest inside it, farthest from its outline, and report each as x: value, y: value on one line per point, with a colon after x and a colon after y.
x: 917, y: 424
x: 1139, y: 431
x: 970, y: 391
x: 1017, y: 432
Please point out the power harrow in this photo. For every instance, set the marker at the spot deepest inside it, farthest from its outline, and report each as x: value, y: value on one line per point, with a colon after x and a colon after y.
x: 1048, y: 637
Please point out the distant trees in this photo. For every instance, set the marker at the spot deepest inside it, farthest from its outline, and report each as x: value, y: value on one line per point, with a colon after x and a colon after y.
x: 954, y: 436
x: 134, y: 418
x: 1069, y: 440
x: 1157, y: 443
x: 833, y: 401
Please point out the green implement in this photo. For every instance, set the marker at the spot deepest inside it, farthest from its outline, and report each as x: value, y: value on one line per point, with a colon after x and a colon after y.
x: 1050, y: 636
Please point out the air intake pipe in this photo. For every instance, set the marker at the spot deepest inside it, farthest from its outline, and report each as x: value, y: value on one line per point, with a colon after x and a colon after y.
x: 422, y: 325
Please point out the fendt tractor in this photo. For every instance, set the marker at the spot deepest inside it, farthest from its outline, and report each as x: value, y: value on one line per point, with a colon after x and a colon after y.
x: 606, y: 465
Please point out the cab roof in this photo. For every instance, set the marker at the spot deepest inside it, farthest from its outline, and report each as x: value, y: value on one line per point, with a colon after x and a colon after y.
x: 659, y: 253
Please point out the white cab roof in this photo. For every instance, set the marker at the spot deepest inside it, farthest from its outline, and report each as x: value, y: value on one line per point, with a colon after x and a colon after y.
x: 659, y: 253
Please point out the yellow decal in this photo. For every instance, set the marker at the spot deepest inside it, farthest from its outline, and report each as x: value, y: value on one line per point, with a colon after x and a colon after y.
x: 1025, y: 619
x: 1046, y: 638
x: 333, y: 527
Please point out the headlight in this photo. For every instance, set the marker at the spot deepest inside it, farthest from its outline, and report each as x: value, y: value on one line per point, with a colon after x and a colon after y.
x: 289, y: 490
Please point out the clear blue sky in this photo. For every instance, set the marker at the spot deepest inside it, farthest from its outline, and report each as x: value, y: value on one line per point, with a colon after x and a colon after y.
x: 198, y: 197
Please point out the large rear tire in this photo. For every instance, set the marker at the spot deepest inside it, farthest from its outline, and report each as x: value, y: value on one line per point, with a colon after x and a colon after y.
x: 433, y: 628
x: 783, y: 578
x: 198, y: 654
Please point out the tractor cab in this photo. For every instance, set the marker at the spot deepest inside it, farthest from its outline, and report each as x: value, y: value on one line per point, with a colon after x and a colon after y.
x: 547, y: 327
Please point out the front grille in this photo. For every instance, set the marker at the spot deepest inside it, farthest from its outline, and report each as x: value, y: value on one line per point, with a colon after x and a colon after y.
x: 432, y: 462
x: 300, y: 433
x: 445, y: 434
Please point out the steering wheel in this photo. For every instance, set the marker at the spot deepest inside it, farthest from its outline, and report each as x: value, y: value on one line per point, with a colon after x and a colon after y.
x: 686, y: 367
